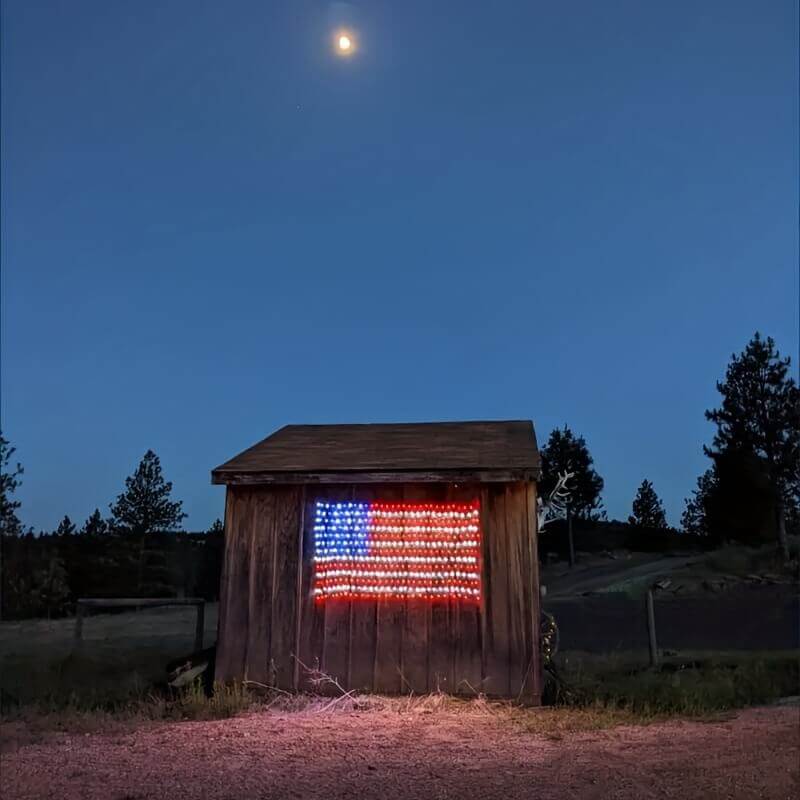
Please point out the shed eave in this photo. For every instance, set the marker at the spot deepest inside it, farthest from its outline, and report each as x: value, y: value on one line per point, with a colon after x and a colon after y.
x: 477, y: 475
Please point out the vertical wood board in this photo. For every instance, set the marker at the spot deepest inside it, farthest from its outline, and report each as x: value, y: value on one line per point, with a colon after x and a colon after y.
x: 518, y: 586
x: 312, y: 614
x: 466, y: 617
x: 389, y: 623
x: 496, y: 614
x: 535, y: 693
x: 234, y: 597
x: 336, y: 644
x: 260, y: 517
x: 363, y: 622
x: 287, y: 528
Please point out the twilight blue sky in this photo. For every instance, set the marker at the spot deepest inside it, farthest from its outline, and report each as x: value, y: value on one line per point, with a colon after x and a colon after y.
x: 212, y: 226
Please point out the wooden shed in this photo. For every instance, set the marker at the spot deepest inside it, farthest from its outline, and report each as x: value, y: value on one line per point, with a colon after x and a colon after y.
x: 394, y: 557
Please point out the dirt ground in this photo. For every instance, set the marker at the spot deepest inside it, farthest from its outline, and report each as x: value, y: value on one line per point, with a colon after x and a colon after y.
x: 386, y: 755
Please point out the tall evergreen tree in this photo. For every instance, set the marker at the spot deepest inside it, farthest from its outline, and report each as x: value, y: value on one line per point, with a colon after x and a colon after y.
x: 143, y: 509
x: 697, y: 514
x: 145, y: 506
x: 565, y: 452
x: 760, y: 416
x: 95, y: 525
x: 648, y: 512
x: 10, y: 524
x: 65, y: 527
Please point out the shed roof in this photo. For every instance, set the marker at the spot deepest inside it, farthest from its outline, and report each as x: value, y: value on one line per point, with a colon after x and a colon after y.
x: 399, y: 451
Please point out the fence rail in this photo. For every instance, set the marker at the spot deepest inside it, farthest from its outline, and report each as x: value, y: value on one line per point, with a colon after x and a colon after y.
x: 766, y: 619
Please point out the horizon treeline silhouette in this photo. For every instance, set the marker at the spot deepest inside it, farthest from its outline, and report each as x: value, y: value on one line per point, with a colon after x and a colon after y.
x: 750, y: 493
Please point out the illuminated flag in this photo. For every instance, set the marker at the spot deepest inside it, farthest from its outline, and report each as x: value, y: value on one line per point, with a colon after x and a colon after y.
x: 397, y: 550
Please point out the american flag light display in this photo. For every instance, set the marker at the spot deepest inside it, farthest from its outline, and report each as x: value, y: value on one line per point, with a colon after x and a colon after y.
x: 397, y: 550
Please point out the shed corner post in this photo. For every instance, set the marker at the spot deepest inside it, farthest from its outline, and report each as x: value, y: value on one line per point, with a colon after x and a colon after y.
x: 219, y: 659
x: 537, y: 666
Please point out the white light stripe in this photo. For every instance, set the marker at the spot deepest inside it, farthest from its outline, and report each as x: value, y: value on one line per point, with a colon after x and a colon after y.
x: 389, y: 545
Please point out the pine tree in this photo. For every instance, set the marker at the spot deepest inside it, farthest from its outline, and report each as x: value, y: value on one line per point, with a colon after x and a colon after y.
x: 10, y: 524
x: 65, y: 527
x: 145, y: 506
x: 697, y: 515
x: 648, y: 512
x: 760, y: 416
x: 144, y: 509
x: 566, y: 452
x: 95, y: 525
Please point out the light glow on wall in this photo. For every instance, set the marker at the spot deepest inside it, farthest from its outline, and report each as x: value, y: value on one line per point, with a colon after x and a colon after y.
x: 397, y: 550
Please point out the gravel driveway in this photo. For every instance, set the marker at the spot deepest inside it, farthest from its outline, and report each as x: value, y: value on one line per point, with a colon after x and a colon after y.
x: 385, y: 755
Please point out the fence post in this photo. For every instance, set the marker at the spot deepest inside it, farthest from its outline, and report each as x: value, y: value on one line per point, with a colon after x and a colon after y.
x: 78, y: 621
x: 651, y: 629
x: 569, y: 536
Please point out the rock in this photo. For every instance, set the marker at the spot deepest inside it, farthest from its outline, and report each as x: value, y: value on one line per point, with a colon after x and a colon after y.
x: 792, y: 700
x: 200, y: 664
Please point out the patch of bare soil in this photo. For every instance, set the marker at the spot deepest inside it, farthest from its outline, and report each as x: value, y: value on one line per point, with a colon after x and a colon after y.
x: 385, y: 755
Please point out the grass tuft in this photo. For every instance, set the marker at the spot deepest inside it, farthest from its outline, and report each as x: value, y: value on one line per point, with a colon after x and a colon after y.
x: 696, y: 689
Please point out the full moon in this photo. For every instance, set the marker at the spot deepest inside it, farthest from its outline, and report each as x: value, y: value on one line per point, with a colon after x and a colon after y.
x: 345, y: 43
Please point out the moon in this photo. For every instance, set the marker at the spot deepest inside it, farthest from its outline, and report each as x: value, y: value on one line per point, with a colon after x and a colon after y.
x: 344, y: 42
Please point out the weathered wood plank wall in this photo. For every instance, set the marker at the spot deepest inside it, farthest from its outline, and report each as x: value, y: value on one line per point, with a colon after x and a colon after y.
x: 272, y: 631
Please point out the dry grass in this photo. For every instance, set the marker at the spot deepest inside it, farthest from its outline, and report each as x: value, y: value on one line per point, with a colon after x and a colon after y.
x: 691, y: 686
x: 37, y: 723
x: 109, y: 681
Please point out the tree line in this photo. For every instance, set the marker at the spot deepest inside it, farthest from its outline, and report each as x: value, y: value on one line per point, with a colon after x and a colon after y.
x: 137, y: 550
x: 749, y: 493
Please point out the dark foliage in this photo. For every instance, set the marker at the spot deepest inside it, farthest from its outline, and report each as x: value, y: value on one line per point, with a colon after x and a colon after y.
x: 733, y: 501
x: 65, y: 527
x: 565, y: 452
x: 9, y: 483
x: 757, y: 444
x: 602, y: 536
x: 211, y: 563
x: 136, y: 554
x: 95, y: 525
x: 34, y: 577
x: 760, y: 412
x: 44, y: 575
x: 145, y: 506
x: 141, y: 511
x: 698, y: 514
x: 648, y: 512
x: 743, y: 506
